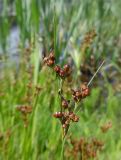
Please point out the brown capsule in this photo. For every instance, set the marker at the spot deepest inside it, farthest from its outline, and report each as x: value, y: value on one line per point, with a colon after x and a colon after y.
x: 66, y: 67
x: 85, y: 93
x: 67, y: 70
x: 76, y: 119
x: 66, y: 115
x: 51, y: 56
x: 25, y: 109
x: 57, y: 69
x: 106, y: 127
x: 84, y: 90
x: 75, y: 98
x: 62, y: 73
x: 98, y: 143
x: 64, y: 103
x: 78, y: 94
x: 50, y: 62
x: 58, y: 115
x: 71, y: 115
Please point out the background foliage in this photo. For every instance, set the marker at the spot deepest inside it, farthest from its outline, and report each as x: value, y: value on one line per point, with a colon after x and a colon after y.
x: 61, y: 25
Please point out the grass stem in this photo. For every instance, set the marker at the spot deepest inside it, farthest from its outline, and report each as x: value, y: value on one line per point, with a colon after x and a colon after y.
x: 95, y: 73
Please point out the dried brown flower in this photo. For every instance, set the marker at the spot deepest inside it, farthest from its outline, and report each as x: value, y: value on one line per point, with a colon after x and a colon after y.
x: 106, y: 127
x: 24, y: 109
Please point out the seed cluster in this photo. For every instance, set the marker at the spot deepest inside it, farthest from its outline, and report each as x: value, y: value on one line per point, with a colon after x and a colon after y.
x: 81, y: 93
x: 66, y: 114
x: 88, y: 39
x: 106, y: 127
x: 87, y: 149
x: 61, y: 72
x: 5, y: 139
x: 25, y: 110
x: 66, y: 118
x: 50, y: 60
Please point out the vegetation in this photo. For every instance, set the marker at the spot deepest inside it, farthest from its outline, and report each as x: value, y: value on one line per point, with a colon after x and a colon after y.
x: 62, y: 45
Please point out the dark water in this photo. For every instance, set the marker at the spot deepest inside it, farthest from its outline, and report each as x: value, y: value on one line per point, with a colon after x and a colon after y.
x: 12, y: 50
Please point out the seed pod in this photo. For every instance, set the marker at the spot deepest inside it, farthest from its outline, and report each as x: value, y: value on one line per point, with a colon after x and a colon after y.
x: 50, y: 62
x: 78, y: 94
x: 58, y: 115
x: 25, y: 109
x: 76, y: 119
x: 57, y: 69
x: 97, y: 143
x: 84, y: 90
x: 62, y: 73
x: 75, y: 98
x: 66, y: 68
x: 106, y: 127
x: 51, y: 56
x: 87, y: 91
x: 64, y: 103
x: 71, y: 115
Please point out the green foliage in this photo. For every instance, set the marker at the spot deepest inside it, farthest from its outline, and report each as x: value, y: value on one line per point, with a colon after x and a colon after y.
x: 60, y: 25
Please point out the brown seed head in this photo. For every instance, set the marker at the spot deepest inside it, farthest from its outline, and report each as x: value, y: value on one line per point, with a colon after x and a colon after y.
x: 78, y: 94
x: 64, y: 103
x: 66, y: 67
x: 58, y: 115
x: 52, y: 56
x: 62, y: 73
x: 50, y: 62
x: 25, y: 109
x: 76, y: 119
x: 57, y: 69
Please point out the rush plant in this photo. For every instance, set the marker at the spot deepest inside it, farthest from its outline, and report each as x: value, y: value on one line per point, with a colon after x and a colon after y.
x: 68, y: 108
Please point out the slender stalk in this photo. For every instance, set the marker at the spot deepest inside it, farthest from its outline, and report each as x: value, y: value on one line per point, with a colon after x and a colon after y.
x: 55, y: 30
x: 95, y: 73
x: 62, y: 149
x: 63, y: 137
x: 33, y: 121
x: 92, y: 79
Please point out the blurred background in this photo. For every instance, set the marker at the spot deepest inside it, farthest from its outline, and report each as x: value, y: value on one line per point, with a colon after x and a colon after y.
x: 29, y: 29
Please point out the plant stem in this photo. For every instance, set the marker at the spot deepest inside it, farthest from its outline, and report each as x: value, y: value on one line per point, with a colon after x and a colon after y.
x: 95, y: 73
x: 62, y: 149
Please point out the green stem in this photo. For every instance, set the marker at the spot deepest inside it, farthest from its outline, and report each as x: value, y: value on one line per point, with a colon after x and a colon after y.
x: 33, y: 121
x: 62, y: 149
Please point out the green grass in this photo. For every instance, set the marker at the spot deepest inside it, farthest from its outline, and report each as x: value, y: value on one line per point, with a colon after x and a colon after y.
x: 42, y: 138
x: 60, y: 25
